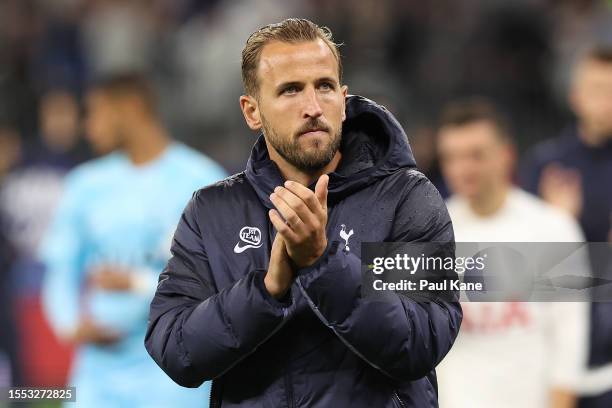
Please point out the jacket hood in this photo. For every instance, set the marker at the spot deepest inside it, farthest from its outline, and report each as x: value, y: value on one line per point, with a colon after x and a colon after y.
x: 373, y: 146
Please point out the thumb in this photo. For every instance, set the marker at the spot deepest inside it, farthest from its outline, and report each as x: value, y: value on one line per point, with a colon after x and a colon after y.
x: 321, y: 190
x: 278, y: 241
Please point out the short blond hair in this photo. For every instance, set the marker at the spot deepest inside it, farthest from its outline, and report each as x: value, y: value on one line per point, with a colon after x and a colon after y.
x: 291, y: 30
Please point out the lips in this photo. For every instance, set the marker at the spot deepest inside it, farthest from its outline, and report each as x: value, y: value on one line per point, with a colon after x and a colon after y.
x: 312, y: 131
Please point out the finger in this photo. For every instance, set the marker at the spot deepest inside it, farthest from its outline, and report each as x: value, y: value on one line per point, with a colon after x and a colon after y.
x: 278, y: 239
x: 105, y: 331
x: 321, y: 190
x: 310, y: 220
x: 281, y: 228
x: 278, y: 246
x: 572, y: 177
x: 550, y: 178
x: 552, y: 172
x: 90, y: 332
x: 292, y: 219
x: 96, y: 280
x: 305, y: 194
x: 105, y: 337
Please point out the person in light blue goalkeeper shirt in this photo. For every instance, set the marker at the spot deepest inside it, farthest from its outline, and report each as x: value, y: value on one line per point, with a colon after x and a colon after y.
x: 109, y: 241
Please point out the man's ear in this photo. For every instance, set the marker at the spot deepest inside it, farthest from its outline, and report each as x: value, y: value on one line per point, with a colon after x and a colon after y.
x: 250, y: 110
x: 573, y: 99
x: 344, y: 91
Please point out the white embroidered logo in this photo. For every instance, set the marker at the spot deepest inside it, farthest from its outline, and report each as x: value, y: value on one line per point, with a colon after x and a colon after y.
x: 345, y: 236
x: 251, y: 236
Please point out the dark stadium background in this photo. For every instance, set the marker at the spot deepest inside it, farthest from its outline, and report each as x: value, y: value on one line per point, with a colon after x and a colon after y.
x: 412, y: 56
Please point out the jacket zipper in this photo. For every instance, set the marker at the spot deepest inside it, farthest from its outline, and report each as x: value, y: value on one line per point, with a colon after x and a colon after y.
x: 289, y: 389
x: 396, y: 395
x: 212, y: 401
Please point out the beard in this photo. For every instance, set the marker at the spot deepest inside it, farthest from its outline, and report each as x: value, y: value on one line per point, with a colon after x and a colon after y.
x: 307, y: 161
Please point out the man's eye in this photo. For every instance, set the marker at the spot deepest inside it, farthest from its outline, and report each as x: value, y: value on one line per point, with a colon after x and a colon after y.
x: 326, y: 86
x: 290, y: 90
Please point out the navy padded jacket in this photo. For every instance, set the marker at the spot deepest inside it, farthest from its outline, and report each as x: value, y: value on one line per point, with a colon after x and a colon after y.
x: 325, y: 345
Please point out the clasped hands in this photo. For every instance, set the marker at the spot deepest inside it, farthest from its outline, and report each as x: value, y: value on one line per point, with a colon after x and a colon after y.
x: 300, y: 219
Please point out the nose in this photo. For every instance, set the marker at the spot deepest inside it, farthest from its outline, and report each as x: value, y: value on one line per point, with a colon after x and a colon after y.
x: 312, y: 108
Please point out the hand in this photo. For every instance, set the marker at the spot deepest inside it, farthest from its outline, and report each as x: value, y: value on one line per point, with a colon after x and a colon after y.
x: 300, y: 218
x: 111, y: 279
x: 89, y: 332
x: 562, y: 398
x: 562, y: 187
x: 280, y: 274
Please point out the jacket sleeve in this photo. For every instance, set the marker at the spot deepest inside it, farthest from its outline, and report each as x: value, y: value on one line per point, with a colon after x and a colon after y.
x: 196, y: 333
x: 402, y: 337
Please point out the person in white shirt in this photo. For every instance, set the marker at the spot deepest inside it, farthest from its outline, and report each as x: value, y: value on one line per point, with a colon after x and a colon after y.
x: 507, y: 354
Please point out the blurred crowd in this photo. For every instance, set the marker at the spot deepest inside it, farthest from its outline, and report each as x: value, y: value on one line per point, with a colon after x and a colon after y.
x: 412, y: 56
x: 541, y: 69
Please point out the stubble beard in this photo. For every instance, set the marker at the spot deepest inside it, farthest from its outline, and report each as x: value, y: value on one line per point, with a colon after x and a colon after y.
x: 289, y: 149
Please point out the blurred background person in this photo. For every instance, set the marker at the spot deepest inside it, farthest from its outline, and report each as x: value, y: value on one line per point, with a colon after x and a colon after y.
x: 109, y: 240
x: 507, y: 354
x: 568, y: 171
x: 28, y: 197
x: 574, y: 173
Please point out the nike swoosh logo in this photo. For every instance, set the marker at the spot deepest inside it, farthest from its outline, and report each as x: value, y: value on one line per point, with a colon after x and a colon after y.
x: 238, y: 249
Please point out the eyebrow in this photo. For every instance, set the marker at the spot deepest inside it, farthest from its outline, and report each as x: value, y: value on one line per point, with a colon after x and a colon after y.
x: 327, y: 79
x: 284, y: 85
